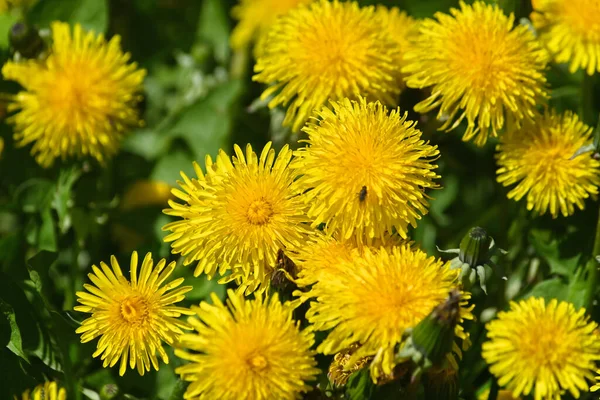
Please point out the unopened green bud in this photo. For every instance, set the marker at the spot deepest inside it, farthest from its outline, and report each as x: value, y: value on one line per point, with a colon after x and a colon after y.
x: 434, y: 335
x: 109, y: 391
x: 474, y: 247
x: 26, y: 40
x: 441, y: 384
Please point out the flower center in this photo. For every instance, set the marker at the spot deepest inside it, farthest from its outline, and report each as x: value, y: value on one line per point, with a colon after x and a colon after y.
x: 70, y: 93
x: 258, y: 362
x: 134, y: 309
x: 259, y: 212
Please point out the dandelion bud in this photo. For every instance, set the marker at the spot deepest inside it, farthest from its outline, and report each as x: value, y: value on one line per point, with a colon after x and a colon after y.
x: 474, y: 247
x: 441, y: 384
x: 473, y: 258
x: 26, y: 40
x: 432, y: 339
x: 109, y: 391
x: 434, y: 335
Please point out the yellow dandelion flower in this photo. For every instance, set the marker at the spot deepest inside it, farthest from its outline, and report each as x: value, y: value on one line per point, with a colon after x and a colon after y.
x: 570, y: 29
x: 402, y: 29
x: 596, y: 386
x: 146, y: 193
x: 326, y: 50
x: 45, y: 391
x: 248, y: 350
x: 319, y: 255
x: 133, y: 318
x: 537, y: 159
x: 502, y: 395
x: 408, y: 285
x: 480, y: 67
x: 367, y: 170
x: 79, y: 101
x: 542, y: 348
x: 256, y: 17
x: 242, y: 212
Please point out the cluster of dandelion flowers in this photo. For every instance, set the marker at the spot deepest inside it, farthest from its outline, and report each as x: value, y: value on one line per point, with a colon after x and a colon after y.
x: 45, y: 391
x: 537, y: 158
x: 408, y: 285
x: 250, y: 349
x: 79, y: 101
x: 542, y: 348
x: 256, y: 17
x: 133, y: 318
x: 480, y: 67
x: 240, y: 213
x: 364, y: 171
x: 570, y: 29
x: 326, y: 50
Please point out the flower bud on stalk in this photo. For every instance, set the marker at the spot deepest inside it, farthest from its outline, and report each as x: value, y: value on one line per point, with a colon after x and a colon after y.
x: 474, y: 258
x: 441, y: 384
x: 26, y: 40
x: 432, y: 339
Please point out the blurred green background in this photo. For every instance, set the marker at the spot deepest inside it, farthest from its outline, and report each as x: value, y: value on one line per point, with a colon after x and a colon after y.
x: 55, y: 223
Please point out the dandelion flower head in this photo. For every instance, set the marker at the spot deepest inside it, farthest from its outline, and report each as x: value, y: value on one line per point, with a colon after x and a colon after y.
x: 326, y: 50
x: 364, y: 171
x: 45, y: 391
x: 132, y: 318
x: 570, y: 29
x: 402, y: 29
x: 479, y: 67
x: 537, y: 159
x: 240, y: 213
x: 247, y: 350
x: 256, y: 17
x: 79, y: 101
x: 408, y: 285
x: 319, y: 256
x: 542, y: 348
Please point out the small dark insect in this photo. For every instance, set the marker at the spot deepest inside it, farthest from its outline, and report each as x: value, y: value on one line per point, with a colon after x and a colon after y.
x: 279, y: 279
x: 362, y: 195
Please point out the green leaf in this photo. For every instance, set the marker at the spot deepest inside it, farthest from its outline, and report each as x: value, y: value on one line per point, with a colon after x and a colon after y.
x: 47, y: 233
x: 39, y: 265
x: 15, y: 343
x: 7, y: 20
x: 62, y: 201
x: 25, y: 314
x: 35, y: 195
x: 573, y: 292
x: 206, y: 124
x: 147, y: 143
x: 203, y: 287
x: 561, y: 253
x: 214, y: 28
x: 168, y: 168
x: 91, y: 14
x: 360, y: 386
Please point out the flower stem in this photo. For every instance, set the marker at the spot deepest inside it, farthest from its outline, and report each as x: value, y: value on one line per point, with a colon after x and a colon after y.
x: 588, y: 110
x: 493, y: 390
x: 592, y: 267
